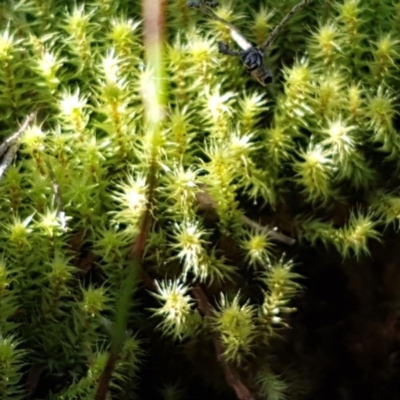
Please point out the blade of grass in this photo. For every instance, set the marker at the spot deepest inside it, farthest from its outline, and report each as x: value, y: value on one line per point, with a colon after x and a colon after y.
x: 153, y: 20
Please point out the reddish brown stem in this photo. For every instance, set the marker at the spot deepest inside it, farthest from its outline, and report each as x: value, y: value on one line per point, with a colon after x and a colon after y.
x: 136, y: 256
x: 231, y: 375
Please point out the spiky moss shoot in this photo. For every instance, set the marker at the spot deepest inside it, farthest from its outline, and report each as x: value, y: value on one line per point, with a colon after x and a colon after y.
x: 380, y: 111
x: 218, y: 110
x: 278, y: 145
x: 220, y: 177
x: 281, y: 286
x: 131, y: 354
x: 179, y: 318
x: 192, y: 244
x: 339, y: 138
x: 225, y: 11
x: 172, y: 392
x: 387, y: 207
x: 48, y: 66
x: 57, y: 283
x: 262, y: 24
x: 123, y: 35
x: 252, y: 107
x: 180, y: 135
x: 94, y: 301
x: 342, y: 141
x: 329, y: 88
x: 8, y: 296
x: 235, y: 324
x: 178, y: 64
x: 356, y: 104
x: 181, y: 187
x: 11, y: 73
x: 325, y: 43
x: 190, y: 241
x: 202, y: 58
x: 80, y: 30
x: 314, y: 173
x: 34, y: 144
x: 272, y: 386
x: 257, y: 248
x: 74, y: 112
x: 351, y: 240
x: 355, y: 235
x: 18, y: 233
x: 11, y: 363
x: 86, y: 386
x: 293, y: 105
x: 349, y: 12
x: 386, y: 56
x: 130, y: 197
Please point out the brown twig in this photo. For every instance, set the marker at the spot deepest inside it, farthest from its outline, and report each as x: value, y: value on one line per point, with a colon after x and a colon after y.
x: 105, y: 376
x: 207, y: 205
x: 153, y: 18
x: 272, y: 233
x: 136, y: 256
x: 10, y: 145
x: 271, y: 38
x: 231, y: 375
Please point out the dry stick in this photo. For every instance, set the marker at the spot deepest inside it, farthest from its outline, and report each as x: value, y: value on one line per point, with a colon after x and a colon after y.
x: 10, y: 145
x: 57, y: 196
x: 272, y: 233
x: 271, y: 38
x: 231, y: 375
x: 8, y: 159
x: 207, y: 203
x: 122, y: 311
x: 16, y: 135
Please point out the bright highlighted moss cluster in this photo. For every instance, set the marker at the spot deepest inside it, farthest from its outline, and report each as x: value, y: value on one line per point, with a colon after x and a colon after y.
x: 315, y: 154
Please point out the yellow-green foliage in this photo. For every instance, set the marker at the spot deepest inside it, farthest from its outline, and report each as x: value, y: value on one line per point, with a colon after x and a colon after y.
x: 322, y: 137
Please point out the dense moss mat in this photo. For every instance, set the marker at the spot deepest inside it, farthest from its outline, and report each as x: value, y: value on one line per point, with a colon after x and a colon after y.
x: 316, y: 154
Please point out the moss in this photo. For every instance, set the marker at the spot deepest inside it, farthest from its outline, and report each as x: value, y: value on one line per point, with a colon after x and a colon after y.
x: 227, y: 160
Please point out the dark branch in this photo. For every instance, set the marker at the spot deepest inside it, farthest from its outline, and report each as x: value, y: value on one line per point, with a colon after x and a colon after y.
x: 231, y: 375
x: 271, y: 38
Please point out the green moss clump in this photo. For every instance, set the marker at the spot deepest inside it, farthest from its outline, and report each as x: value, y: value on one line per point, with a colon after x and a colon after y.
x: 315, y: 154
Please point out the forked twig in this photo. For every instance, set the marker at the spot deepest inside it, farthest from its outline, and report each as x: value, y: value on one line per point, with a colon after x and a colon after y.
x: 7, y: 160
x: 16, y: 135
x: 10, y: 145
x: 274, y: 233
x: 271, y: 38
x: 251, y: 57
x: 231, y: 375
x: 208, y: 206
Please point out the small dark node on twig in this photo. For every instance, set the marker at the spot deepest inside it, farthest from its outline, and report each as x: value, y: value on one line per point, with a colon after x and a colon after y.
x: 200, y: 3
x: 251, y: 57
x: 207, y: 208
